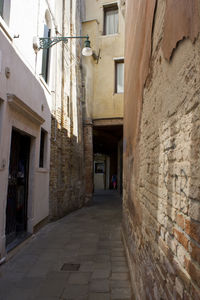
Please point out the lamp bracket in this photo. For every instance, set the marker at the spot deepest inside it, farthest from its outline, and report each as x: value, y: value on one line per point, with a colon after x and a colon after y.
x: 46, y: 43
x: 96, y: 57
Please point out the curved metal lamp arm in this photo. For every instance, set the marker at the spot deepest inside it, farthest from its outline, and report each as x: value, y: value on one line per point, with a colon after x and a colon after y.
x: 46, y: 43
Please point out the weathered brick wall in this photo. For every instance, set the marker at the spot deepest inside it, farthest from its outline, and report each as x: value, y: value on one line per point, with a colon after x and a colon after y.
x: 67, y: 186
x: 161, y: 213
x: 66, y: 180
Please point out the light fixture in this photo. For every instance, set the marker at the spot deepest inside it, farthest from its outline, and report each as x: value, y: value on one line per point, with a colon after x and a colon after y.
x: 46, y: 43
x: 87, y: 51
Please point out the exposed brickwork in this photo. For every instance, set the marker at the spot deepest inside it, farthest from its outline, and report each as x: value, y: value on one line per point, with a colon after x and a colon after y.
x: 193, y: 230
x: 67, y: 186
x: 66, y: 180
x: 161, y: 215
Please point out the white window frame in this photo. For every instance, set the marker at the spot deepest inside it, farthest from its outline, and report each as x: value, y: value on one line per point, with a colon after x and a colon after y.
x: 117, y: 62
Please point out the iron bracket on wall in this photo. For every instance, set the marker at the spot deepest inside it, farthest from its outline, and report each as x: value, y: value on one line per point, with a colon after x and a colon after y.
x: 46, y: 43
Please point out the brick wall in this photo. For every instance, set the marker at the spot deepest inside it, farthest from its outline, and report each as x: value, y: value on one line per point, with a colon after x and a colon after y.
x: 66, y: 176
x: 67, y: 186
x: 161, y: 207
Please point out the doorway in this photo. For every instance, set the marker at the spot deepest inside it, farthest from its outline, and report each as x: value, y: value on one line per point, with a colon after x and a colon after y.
x: 17, y: 196
x: 108, y: 156
x: 99, y: 173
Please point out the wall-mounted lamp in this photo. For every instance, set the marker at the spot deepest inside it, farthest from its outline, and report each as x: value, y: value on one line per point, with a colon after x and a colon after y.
x: 87, y: 51
x: 45, y: 43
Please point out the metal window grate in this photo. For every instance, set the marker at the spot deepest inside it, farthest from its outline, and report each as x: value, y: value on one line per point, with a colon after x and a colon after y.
x: 70, y: 267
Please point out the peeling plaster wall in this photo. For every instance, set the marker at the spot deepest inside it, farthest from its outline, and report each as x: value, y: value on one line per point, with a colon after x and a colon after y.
x: 137, y: 51
x: 161, y: 207
x: 181, y: 21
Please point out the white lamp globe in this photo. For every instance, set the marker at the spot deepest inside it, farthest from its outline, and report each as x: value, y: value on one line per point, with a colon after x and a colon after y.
x: 87, y: 51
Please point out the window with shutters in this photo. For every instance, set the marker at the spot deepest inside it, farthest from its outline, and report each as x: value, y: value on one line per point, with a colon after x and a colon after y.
x: 111, y: 19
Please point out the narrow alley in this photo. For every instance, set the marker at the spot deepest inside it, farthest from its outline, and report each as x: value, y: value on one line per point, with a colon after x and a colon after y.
x: 81, y: 256
x: 100, y: 149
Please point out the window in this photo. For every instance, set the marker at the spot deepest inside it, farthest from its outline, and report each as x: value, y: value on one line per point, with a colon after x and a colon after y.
x: 99, y: 168
x: 111, y: 19
x: 119, y: 76
x: 5, y: 10
x: 1, y: 7
x: 42, y: 147
x: 45, y: 55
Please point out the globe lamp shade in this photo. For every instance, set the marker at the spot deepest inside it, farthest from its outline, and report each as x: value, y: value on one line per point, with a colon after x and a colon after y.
x: 87, y: 51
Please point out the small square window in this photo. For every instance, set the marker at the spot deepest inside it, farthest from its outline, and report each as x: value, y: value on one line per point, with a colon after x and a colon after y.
x: 111, y: 19
x: 119, y: 76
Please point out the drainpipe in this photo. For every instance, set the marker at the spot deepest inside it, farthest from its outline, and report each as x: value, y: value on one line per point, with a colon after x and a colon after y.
x: 71, y: 70
x: 71, y: 98
x: 63, y: 67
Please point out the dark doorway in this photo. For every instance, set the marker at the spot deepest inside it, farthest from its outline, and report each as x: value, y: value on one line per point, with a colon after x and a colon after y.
x: 16, y: 210
x: 108, y: 150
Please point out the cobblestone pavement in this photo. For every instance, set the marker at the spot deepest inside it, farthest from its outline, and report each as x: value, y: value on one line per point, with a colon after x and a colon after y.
x: 78, y: 257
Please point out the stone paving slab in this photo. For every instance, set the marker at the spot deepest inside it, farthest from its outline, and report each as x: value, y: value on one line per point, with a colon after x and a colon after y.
x: 101, y: 274
x: 100, y: 286
x: 90, y: 238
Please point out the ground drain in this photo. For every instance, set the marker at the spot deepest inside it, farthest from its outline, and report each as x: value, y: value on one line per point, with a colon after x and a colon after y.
x: 70, y: 267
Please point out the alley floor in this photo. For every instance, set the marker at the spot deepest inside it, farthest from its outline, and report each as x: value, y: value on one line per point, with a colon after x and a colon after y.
x: 78, y: 257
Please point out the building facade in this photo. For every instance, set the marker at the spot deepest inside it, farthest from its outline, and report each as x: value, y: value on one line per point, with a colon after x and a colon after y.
x: 67, y: 189
x: 25, y: 116
x: 38, y: 91
x: 161, y: 208
x: 103, y: 88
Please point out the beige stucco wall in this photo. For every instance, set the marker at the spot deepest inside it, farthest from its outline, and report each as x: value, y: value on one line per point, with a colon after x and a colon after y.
x: 99, y: 80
